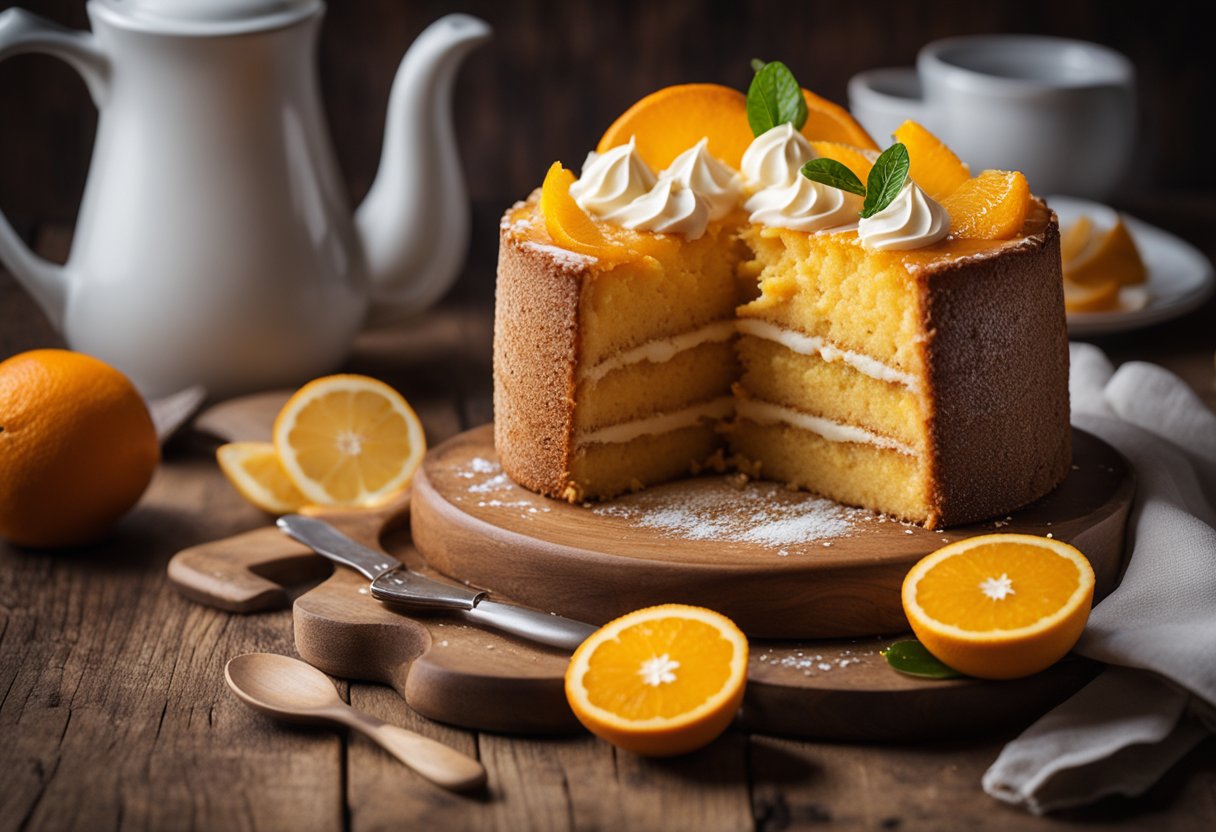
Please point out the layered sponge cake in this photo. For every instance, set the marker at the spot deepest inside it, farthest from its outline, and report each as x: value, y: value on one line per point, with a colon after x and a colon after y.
x: 728, y: 313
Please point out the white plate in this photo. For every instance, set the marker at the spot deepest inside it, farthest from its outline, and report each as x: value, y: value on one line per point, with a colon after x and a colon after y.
x: 1180, y: 278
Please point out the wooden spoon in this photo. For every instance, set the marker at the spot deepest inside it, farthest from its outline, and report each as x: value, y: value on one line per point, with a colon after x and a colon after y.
x: 290, y: 689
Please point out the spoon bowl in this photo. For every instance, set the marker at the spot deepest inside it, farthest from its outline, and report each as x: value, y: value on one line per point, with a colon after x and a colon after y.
x: 290, y: 689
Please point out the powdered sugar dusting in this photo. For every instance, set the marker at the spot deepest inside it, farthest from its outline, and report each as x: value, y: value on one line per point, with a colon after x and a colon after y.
x: 762, y: 513
x: 562, y: 257
x: 811, y: 662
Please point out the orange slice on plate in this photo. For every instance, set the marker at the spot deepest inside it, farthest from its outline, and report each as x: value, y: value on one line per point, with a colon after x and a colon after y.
x: 671, y: 120
x: 1075, y: 239
x: 1091, y: 297
x: 992, y: 206
x: 933, y: 166
x: 1000, y: 606
x: 660, y: 681
x: 255, y: 472
x: 1111, y: 256
x: 349, y: 440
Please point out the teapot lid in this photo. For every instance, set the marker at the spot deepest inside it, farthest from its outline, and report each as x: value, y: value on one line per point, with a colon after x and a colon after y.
x: 208, y: 17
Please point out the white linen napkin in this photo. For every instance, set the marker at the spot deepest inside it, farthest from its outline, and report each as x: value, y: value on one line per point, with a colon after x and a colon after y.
x: 1120, y: 733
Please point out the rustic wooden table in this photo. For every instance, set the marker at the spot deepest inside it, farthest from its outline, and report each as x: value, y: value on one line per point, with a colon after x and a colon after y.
x: 114, y: 712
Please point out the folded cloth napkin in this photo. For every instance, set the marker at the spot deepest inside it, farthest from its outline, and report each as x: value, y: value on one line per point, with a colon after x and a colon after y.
x: 1157, y: 630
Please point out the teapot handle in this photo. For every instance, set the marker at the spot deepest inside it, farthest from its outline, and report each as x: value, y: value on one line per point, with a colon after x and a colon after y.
x: 22, y: 32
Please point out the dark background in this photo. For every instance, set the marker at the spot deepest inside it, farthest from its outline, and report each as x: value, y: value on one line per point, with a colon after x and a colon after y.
x: 556, y: 74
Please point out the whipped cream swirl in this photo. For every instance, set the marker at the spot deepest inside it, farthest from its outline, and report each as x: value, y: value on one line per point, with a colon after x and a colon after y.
x: 912, y: 220
x: 774, y: 158
x: 711, y: 179
x: 611, y: 180
x: 668, y: 207
x: 803, y: 205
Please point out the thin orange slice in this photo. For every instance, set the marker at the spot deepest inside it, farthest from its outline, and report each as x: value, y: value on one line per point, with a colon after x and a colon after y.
x: 828, y: 121
x: 569, y: 225
x: 934, y: 167
x: 349, y: 440
x: 992, y: 206
x: 255, y: 472
x: 1101, y: 296
x: 1111, y: 256
x: 673, y: 119
x: 659, y: 681
x: 1075, y: 239
x: 855, y: 159
x: 1000, y: 606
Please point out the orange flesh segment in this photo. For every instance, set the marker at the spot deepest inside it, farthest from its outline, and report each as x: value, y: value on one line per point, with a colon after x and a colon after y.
x: 934, y: 167
x: 828, y: 121
x: 992, y: 206
x: 853, y: 158
x: 671, y: 120
x: 1096, y: 297
x: 950, y: 591
x: 1075, y: 239
x: 1113, y: 257
x: 614, y: 683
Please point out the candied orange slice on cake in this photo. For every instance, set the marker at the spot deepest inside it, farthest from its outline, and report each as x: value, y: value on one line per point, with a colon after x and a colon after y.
x: 933, y: 166
x: 828, y: 121
x: 660, y: 681
x: 857, y: 159
x: 569, y: 225
x: 666, y: 123
x: 992, y: 206
x: 1000, y: 606
x: 1112, y: 256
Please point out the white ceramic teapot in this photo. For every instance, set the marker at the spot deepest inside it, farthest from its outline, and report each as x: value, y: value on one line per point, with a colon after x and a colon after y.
x: 214, y: 243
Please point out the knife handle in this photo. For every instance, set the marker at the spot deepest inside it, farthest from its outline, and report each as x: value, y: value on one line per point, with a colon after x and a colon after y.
x: 541, y: 627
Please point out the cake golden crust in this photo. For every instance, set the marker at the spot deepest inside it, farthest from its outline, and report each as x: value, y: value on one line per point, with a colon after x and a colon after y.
x: 996, y: 360
x: 535, y: 356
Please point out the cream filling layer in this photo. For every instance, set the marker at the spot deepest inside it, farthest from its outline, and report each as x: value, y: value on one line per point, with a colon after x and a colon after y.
x: 661, y: 349
x: 767, y: 413
x: 714, y: 410
x: 814, y: 345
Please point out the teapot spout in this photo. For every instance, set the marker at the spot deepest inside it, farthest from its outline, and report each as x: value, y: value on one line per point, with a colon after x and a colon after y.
x: 414, y: 222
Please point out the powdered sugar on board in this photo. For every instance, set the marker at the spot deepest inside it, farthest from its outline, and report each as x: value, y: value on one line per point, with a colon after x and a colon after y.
x: 718, y: 509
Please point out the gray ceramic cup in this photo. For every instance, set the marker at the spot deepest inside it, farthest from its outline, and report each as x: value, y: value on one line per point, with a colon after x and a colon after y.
x: 1061, y: 111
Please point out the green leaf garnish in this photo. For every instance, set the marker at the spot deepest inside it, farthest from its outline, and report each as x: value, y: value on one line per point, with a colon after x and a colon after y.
x: 886, y: 180
x: 830, y: 172
x: 912, y: 658
x: 774, y: 98
x: 757, y: 64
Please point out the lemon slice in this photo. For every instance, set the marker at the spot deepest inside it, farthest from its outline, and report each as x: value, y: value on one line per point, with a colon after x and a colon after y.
x: 254, y: 470
x: 659, y: 681
x: 349, y: 440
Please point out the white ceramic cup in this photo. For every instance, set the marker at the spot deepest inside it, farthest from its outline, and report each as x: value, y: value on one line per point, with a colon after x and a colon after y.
x: 1061, y: 111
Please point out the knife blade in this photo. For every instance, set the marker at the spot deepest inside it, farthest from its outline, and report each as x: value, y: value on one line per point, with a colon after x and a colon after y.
x: 395, y: 584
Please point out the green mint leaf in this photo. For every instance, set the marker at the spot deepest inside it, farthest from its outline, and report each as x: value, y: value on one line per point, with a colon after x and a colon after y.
x: 774, y: 98
x: 757, y: 64
x: 887, y: 178
x: 833, y: 173
x: 912, y: 658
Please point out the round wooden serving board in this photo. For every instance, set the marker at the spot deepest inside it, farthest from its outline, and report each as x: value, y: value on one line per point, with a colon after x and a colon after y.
x: 453, y: 672
x: 781, y: 564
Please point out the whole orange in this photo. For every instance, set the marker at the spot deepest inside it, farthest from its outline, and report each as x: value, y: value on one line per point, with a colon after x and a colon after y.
x: 77, y: 448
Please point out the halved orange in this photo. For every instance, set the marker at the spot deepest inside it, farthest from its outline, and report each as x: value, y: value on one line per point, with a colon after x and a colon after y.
x: 1110, y: 256
x: 255, y: 472
x: 660, y: 681
x: 349, y: 440
x: 1000, y: 606
x: 828, y: 121
x: 856, y: 159
x: 933, y: 166
x: 671, y: 120
x: 992, y: 206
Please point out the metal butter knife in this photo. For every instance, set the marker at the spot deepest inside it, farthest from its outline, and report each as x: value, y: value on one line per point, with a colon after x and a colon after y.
x: 395, y: 584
